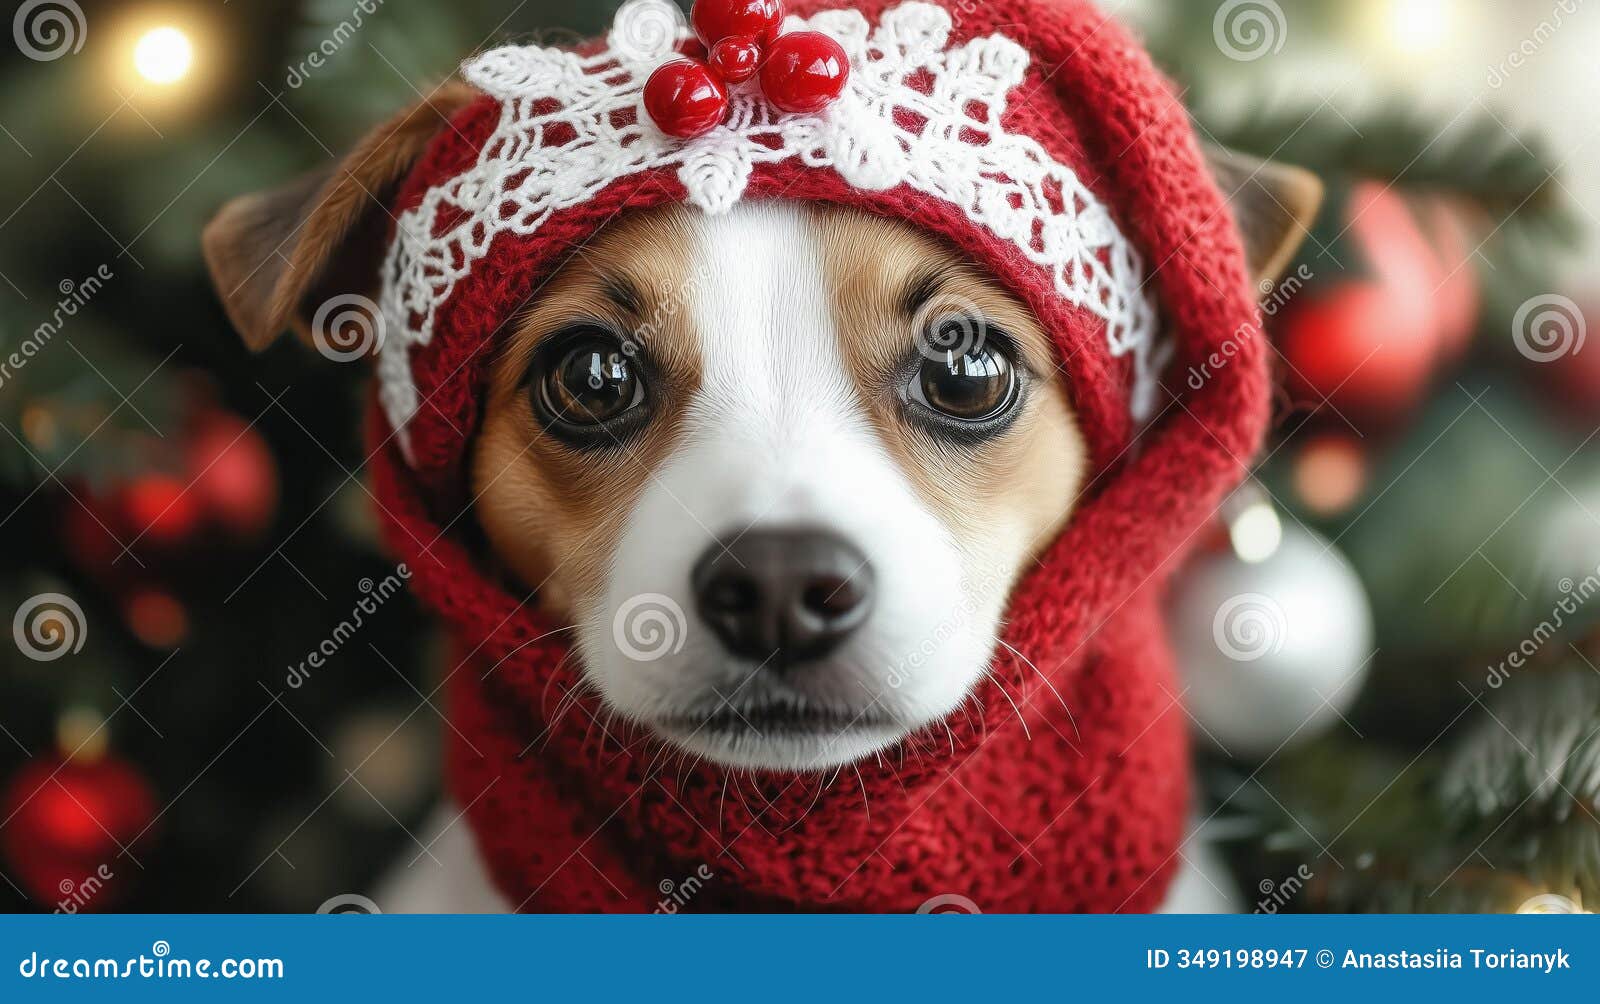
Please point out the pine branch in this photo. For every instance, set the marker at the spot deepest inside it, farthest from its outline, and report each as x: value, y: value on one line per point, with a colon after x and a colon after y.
x: 1510, y: 813
x: 1478, y: 158
x: 1525, y: 780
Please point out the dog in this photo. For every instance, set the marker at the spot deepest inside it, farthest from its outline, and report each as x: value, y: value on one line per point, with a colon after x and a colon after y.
x: 814, y: 436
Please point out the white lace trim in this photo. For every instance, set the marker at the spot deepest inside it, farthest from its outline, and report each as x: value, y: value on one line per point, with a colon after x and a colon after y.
x: 563, y: 137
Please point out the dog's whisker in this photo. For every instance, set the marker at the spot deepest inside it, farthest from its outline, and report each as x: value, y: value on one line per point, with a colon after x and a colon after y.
x: 866, y: 805
x: 722, y: 806
x: 665, y: 751
x: 1007, y: 695
x: 568, y: 701
x: 800, y: 817
x: 1029, y: 663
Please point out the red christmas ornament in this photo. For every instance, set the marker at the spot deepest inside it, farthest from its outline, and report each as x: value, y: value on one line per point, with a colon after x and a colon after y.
x: 685, y: 99
x: 234, y: 473
x: 1368, y: 342
x: 1356, y: 347
x: 69, y: 823
x: 715, y: 20
x: 805, y: 72
x: 159, y: 508
x: 736, y: 59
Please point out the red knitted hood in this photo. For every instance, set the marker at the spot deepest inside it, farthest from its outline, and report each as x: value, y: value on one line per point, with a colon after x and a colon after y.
x: 1032, y: 811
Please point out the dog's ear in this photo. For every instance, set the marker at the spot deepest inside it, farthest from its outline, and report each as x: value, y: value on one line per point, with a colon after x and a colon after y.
x: 1274, y: 205
x: 275, y: 255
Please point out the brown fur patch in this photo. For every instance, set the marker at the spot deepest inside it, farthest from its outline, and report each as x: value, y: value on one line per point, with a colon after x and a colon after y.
x: 1023, y: 482
x: 554, y: 515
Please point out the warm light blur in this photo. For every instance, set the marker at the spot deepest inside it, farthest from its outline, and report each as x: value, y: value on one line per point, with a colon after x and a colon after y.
x: 1330, y: 475
x: 1419, y: 26
x: 162, y: 58
x: 1256, y: 533
x: 163, y: 55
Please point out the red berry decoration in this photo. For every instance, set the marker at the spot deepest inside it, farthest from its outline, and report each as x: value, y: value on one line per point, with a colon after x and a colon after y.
x: 685, y: 99
x: 805, y: 72
x: 736, y: 59
x: 715, y: 20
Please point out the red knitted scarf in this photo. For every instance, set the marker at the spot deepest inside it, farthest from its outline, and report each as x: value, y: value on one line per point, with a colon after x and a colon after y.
x: 1061, y: 786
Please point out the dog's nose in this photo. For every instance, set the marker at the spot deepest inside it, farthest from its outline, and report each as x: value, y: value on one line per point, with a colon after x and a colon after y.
x: 787, y: 596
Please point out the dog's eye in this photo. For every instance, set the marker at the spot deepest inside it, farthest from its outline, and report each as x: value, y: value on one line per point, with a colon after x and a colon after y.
x: 978, y: 386
x: 585, y: 382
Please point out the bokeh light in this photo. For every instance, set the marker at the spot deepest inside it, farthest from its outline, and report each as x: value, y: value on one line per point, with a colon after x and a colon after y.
x: 163, y: 55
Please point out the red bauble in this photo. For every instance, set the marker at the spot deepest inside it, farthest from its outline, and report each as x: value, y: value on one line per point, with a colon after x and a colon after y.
x: 715, y: 20
x: 69, y: 823
x: 1368, y: 342
x: 1358, y: 346
x: 234, y: 473
x: 805, y: 72
x: 685, y: 99
x: 736, y: 59
x: 159, y: 509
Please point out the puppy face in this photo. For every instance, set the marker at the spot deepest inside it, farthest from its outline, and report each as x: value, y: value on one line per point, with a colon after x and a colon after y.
x: 780, y: 469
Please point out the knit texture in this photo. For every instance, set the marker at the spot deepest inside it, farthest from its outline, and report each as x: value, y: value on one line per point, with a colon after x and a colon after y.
x: 1034, y: 809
